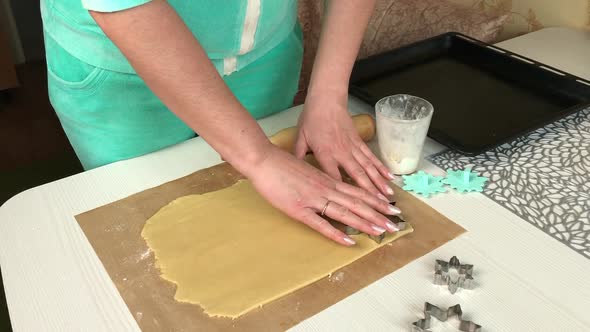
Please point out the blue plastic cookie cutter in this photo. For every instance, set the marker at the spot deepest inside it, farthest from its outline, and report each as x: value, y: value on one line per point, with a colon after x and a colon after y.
x: 423, y: 183
x: 465, y: 180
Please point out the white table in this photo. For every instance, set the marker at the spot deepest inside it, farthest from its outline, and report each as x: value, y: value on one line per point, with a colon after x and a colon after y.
x: 528, y: 282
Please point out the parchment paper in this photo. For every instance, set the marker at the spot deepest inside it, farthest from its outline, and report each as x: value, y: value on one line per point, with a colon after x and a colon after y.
x: 114, y: 231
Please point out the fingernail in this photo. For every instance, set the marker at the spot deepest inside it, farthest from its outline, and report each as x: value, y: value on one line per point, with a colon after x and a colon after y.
x: 378, y: 229
x: 391, y: 176
x: 382, y: 197
x: 389, y: 190
x: 349, y: 240
x: 392, y: 227
x: 394, y: 210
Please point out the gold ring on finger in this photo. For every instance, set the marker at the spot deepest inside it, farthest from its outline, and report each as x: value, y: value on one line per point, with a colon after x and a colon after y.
x: 325, y: 208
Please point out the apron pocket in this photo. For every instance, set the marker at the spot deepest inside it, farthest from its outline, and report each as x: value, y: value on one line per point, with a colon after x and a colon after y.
x: 66, y: 72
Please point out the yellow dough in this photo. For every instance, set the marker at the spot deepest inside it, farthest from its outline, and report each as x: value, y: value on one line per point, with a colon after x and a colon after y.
x: 230, y: 251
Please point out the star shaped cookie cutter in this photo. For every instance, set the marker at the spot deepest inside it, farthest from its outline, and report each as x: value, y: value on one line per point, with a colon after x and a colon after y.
x: 397, y: 220
x: 430, y: 310
x: 443, y: 277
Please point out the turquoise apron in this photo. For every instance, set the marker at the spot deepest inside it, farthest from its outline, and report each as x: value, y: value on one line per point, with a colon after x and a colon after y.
x: 107, y: 111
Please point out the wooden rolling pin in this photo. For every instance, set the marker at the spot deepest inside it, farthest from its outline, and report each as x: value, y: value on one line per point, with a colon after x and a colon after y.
x: 364, y: 123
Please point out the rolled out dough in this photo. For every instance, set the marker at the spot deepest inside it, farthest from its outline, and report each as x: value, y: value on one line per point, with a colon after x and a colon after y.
x: 230, y: 251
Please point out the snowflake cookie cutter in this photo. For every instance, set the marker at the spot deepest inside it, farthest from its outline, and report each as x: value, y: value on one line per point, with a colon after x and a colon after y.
x: 464, y: 277
x: 399, y: 221
x: 430, y: 310
x: 423, y: 183
x: 465, y: 180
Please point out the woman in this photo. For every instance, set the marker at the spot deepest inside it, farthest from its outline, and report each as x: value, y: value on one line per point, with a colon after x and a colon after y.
x: 128, y: 77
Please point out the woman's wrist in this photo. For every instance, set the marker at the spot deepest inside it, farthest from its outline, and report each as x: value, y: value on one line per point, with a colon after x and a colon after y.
x: 327, y: 100
x: 249, y: 156
x: 327, y: 90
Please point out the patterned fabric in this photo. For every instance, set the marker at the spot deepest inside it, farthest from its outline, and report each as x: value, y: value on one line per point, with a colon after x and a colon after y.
x: 310, y: 20
x: 544, y: 178
x: 399, y: 22
x: 522, y: 16
x: 531, y: 15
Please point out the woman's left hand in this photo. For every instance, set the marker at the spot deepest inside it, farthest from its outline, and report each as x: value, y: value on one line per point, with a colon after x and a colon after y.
x: 327, y: 130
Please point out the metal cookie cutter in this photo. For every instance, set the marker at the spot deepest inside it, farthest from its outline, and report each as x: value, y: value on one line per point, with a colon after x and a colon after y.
x: 442, y: 276
x: 353, y: 231
x: 397, y: 220
x: 430, y: 310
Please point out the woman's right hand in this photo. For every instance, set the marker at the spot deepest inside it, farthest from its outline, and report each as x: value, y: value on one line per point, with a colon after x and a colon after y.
x: 302, y: 192
x: 171, y: 61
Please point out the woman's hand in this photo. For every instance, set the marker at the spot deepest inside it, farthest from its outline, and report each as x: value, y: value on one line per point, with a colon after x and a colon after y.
x: 152, y: 37
x: 303, y: 192
x: 327, y: 130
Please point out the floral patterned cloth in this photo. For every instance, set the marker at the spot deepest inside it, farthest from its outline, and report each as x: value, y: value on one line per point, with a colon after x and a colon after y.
x: 532, y: 15
x: 399, y: 22
x: 543, y: 177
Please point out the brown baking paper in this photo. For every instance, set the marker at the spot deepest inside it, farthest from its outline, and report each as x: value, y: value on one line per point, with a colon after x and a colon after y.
x: 114, y: 231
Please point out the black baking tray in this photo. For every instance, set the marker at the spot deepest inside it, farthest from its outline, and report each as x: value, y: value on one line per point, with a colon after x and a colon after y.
x: 483, y: 96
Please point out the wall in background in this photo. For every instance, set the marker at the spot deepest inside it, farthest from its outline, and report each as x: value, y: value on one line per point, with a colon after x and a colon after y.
x: 22, y: 20
x: 27, y: 15
x: 531, y: 15
x: 8, y: 25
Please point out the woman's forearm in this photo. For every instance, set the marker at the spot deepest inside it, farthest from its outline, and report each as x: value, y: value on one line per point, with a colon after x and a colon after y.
x: 342, y: 33
x: 170, y: 60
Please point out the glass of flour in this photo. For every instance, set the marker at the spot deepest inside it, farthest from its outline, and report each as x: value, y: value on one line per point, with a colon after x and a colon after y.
x: 402, y: 125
